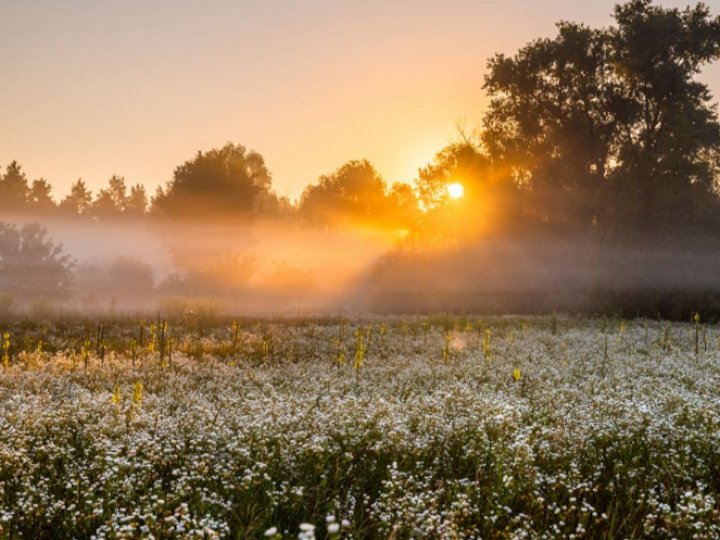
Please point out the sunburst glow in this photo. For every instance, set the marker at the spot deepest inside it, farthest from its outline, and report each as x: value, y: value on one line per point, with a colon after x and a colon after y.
x: 455, y: 190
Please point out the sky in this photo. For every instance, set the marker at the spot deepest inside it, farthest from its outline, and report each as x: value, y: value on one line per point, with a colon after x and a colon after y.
x: 92, y: 88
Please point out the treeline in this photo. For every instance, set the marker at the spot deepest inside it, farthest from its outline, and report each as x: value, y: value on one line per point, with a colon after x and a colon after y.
x: 226, y: 184
x: 598, y: 130
x: 18, y: 196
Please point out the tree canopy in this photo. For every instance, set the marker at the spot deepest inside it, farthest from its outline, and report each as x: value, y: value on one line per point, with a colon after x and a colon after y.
x: 33, y: 267
x: 356, y: 193
x: 13, y: 188
x: 611, y: 125
x: 229, y: 182
x: 79, y: 201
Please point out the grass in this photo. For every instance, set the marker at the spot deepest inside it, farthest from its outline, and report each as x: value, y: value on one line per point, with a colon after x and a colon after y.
x: 451, y: 428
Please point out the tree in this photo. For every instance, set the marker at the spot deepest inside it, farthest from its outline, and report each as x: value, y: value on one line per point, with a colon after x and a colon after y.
x: 118, y: 192
x: 219, y: 184
x: 668, y: 151
x: 609, y: 127
x: 33, y: 267
x: 104, y: 206
x: 553, y: 117
x: 137, y: 201
x: 111, y: 201
x: 79, y: 201
x: 356, y: 193
x: 13, y: 189
x: 489, y: 201
x: 40, y: 198
x: 463, y: 162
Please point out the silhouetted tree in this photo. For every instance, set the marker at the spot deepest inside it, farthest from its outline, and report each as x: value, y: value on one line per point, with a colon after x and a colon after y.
x: 111, y: 201
x: 118, y: 191
x: 668, y: 150
x: 463, y: 162
x: 610, y: 126
x: 490, y: 199
x: 13, y: 189
x: 554, y: 118
x: 33, y: 267
x: 222, y: 183
x: 40, y: 199
x: 79, y: 201
x: 137, y: 201
x: 357, y: 193
x: 103, y: 206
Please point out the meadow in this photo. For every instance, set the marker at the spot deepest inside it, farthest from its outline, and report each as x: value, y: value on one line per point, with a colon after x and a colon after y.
x: 425, y: 428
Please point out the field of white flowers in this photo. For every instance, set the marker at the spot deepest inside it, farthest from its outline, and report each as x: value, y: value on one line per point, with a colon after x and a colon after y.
x: 437, y: 428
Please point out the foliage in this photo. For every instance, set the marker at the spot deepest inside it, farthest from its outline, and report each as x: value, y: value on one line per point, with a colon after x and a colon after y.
x: 79, y: 201
x: 222, y: 183
x: 111, y: 200
x: 40, y: 199
x: 13, y: 188
x: 356, y: 193
x: 461, y: 162
x: 32, y: 267
x: 609, y: 127
x: 137, y: 202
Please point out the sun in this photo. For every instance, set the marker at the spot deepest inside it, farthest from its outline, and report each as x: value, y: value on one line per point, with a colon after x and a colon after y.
x: 455, y: 190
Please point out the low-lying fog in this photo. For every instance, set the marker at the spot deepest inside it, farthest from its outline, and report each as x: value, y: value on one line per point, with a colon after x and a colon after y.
x: 277, y: 267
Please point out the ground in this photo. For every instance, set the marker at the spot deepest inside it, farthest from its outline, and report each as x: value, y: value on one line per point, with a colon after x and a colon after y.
x: 438, y: 427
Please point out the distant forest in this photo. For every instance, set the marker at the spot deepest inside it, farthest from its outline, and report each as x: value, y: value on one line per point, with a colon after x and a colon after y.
x: 592, y: 184
x: 226, y: 184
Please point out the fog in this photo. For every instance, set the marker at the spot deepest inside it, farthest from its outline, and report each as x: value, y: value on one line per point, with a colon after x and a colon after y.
x: 271, y: 267
x: 285, y: 268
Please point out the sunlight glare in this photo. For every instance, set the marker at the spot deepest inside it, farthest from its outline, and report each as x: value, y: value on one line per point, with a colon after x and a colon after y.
x: 455, y: 190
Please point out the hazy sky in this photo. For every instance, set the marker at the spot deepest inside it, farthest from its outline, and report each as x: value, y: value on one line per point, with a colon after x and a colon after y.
x: 91, y: 88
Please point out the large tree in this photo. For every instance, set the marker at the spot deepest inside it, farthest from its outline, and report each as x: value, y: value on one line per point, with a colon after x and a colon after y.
x: 668, y: 151
x: 611, y: 125
x: 228, y: 182
x: 356, y: 193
